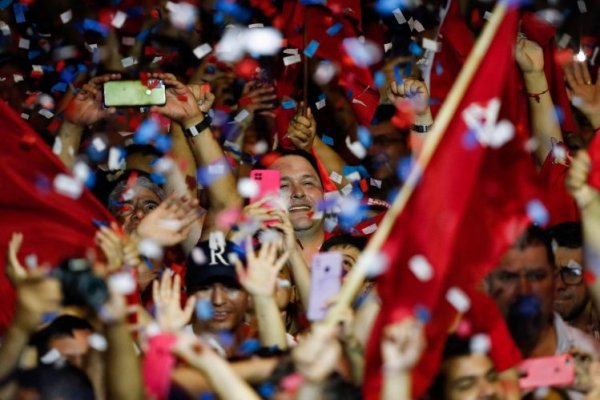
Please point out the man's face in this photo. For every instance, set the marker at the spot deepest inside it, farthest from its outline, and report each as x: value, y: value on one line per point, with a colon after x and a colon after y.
x: 229, y: 302
x: 388, y: 147
x: 471, y: 377
x: 73, y: 348
x: 136, y: 208
x: 300, y: 185
x: 524, y: 272
x: 570, y: 300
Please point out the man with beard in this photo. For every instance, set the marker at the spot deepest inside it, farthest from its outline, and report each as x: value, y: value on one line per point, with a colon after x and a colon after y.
x: 523, y: 286
x: 572, y: 299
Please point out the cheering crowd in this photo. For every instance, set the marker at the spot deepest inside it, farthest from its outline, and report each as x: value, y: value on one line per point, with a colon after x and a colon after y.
x: 334, y: 199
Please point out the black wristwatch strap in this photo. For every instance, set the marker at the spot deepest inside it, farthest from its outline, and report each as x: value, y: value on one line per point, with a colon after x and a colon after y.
x: 421, y: 128
x: 195, y: 130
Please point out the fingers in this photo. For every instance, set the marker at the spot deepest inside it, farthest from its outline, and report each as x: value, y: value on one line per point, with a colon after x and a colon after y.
x: 16, y: 271
x: 585, y: 72
x: 578, y: 73
x: 189, y: 308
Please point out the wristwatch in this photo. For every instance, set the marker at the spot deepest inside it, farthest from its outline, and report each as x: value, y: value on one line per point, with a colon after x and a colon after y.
x: 421, y: 128
x: 195, y: 130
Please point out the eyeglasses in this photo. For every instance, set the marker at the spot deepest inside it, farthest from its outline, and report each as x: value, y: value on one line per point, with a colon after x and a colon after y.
x: 128, y: 209
x: 571, y: 275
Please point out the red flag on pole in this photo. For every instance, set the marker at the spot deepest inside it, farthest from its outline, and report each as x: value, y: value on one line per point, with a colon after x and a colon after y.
x: 469, y: 204
x: 55, y: 226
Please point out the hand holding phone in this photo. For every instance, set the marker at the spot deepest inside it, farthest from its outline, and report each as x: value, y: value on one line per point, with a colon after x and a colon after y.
x: 325, y: 283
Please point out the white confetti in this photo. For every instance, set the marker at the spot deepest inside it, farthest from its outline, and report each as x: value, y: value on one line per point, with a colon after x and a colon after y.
x: 283, y: 283
x: 97, y: 342
x: 320, y: 104
x: 582, y: 6
x: 115, y: 159
x: 375, y: 182
x: 263, y: 41
x: 376, y: 263
x: 4, y: 28
x: 559, y: 153
x: 289, y: 60
x: 325, y: 72
x: 335, y: 177
x: 128, y: 62
x: 399, y: 16
x: 353, y: 176
x: 248, y: 187
x: 216, y: 169
x: 241, y: 116
x: 150, y: 249
x: 346, y: 190
x: 31, y: 261
x: 46, y: 113
x: 564, y: 41
x: 369, y: 229
x: 480, y: 343
x: 122, y: 283
x: 363, y: 54
x: 81, y: 171
x: 128, y: 41
x: 537, y: 212
x: 418, y: 26
x: 257, y: 25
x: 356, y: 148
x: 51, y: 357
x: 261, y: 147
x: 421, y: 268
x: 17, y: 78
x: 580, y: 56
x: 66, y: 16
x: 25, y: 116
x: 24, y: 43
x: 202, y: 50
x: 119, y: 19
x: 459, y: 300
x: 432, y: 45
x: 99, y: 144
x: 182, y: 15
x: 68, y: 186
x: 198, y: 256
x: 487, y: 15
x: 387, y: 47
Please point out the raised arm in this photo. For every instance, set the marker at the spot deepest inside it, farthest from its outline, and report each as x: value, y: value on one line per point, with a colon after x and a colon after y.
x: 585, y: 95
x: 544, y: 123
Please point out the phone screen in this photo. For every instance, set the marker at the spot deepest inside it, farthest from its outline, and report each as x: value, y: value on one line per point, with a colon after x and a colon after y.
x: 325, y: 283
x: 134, y: 93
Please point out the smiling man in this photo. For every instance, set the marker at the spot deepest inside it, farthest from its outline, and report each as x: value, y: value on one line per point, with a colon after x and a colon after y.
x: 302, y: 190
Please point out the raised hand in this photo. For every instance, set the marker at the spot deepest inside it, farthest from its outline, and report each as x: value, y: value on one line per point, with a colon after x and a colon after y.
x: 204, y: 97
x: 170, y: 222
x: 584, y: 94
x: 577, y: 178
x: 257, y: 97
x: 110, y: 241
x: 412, y: 90
x: 302, y: 130
x: 167, y: 298
x: 529, y: 55
x: 181, y: 104
x: 317, y: 356
x: 86, y: 107
x: 37, y: 294
x: 402, y: 345
x: 195, y: 352
x: 260, y: 277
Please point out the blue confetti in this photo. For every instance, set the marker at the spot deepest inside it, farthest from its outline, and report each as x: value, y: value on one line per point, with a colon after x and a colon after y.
x: 99, y: 223
x: 313, y: 2
x: 405, y: 165
x: 438, y: 69
x: 33, y: 54
x: 19, y: 10
x: 147, y: 132
x: 207, y: 396
x: 93, y: 25
x: 267, y: 390
x: 226, y: 339
x: 141, y: 37
x: 528, y: 306
x: 157, y: 178
x: 470, y: 141
x: 364, y: 137
x: 422, y: 313
x: 311, y: 49
x: 334, y: 29
x: 5, y: 3
x: 59, y: 87
x: 415, y: 49
x: 560, y: 114
x: 148, y: 262
x: 207, y: 175
x: 90, y: 182
x: 163, y: 143
x: 386, y: 7
x: 233, y: 9
x: 397, y: 74
x: 537, y: 212
x: 328, y: 140
x: 49, y: 317
x: 348, y: 169
x: 379, y: 79
x: 204, y: 310
x: 288, y: 104
x: 249, y: 346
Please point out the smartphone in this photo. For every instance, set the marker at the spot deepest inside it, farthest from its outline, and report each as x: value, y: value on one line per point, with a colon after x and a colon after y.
x: 325, y: 283
x: 268, y: 181
x: 134, y: 93
x: 547, y: 371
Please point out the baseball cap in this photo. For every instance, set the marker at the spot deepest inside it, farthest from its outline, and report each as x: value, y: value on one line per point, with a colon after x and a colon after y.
x: 212, y: 261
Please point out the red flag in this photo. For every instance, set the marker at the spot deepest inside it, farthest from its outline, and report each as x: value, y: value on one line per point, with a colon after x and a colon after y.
x: 54, y: 226
x: 328, y: 26
x: 467, y: 208
x: 456, y: 43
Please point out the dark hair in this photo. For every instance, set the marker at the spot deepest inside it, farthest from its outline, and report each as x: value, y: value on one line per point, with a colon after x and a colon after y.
x: 536, y: 236
x: 268, y: 159
x: 383, y: 113
x: 566, y: 234
x: 63, y: 325
x: 455, y: 346
x: 345, y: 240
x: 57, y: 383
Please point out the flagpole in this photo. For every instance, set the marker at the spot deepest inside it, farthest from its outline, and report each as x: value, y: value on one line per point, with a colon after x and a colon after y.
x: 305, y: 80
x: 354, y: 280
